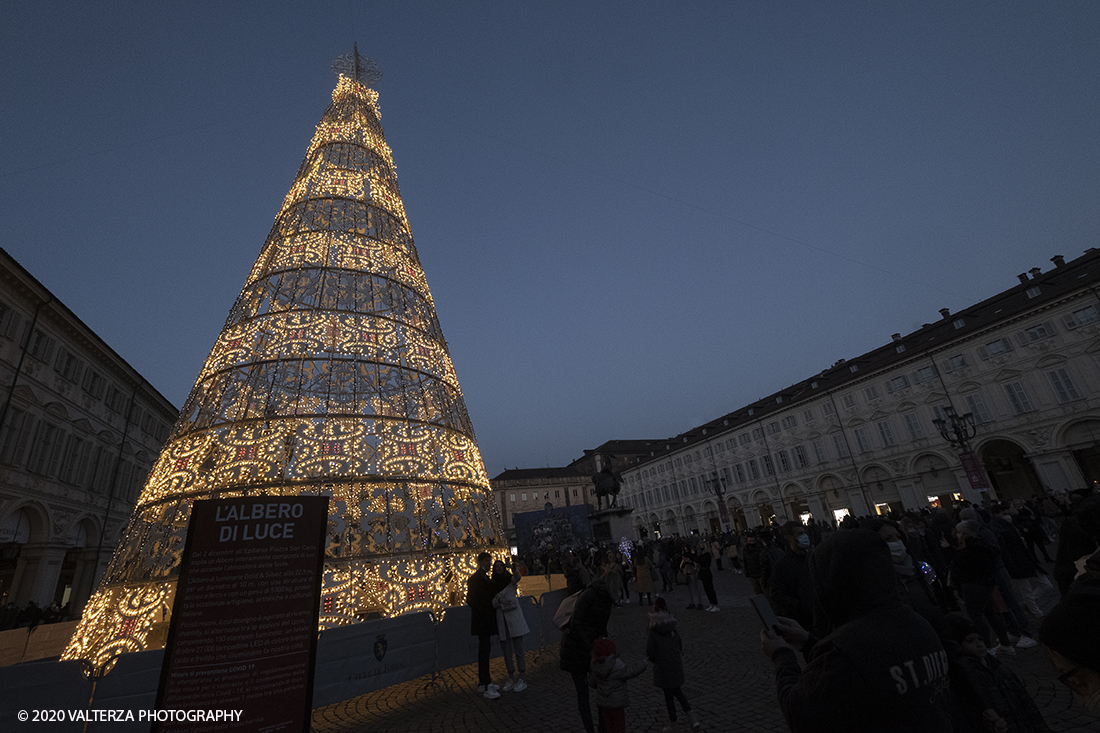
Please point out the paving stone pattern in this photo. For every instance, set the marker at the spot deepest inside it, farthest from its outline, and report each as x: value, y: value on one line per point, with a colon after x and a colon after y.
x: 729, y: 683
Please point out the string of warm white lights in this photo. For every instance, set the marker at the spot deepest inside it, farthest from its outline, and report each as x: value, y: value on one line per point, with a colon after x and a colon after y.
x: 332, y: 377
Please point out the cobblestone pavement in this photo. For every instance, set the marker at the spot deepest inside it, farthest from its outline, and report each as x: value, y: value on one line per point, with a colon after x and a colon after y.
x: 730, y: 684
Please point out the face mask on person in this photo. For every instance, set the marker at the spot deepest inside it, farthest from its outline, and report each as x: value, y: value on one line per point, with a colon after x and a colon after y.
x: 804, y: 541
x: 897, y: 549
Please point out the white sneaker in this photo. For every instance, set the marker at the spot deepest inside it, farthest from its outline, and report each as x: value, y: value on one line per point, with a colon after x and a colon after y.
x: 714, y: 609
x: 1026, y: 642
x: 491, y: 695
x: 520, y: 686
x: 508, y: 686
x: 494, y: 688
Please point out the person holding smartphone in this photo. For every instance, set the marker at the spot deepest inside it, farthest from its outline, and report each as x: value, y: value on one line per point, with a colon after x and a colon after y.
x: 882, y: 667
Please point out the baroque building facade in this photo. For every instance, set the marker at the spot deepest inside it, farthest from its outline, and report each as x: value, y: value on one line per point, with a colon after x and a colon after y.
x: 520, y: 490
x: 859, y: 438
x: 79, y: 431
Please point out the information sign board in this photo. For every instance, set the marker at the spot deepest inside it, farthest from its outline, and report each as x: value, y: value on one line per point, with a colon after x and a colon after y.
x: 243, y: 637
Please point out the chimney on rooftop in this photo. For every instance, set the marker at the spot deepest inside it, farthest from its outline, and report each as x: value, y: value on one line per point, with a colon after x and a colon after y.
x: 1058, y: 260
x: 945, y: 312
x: 1035, y: 272
x: 1023, y: 277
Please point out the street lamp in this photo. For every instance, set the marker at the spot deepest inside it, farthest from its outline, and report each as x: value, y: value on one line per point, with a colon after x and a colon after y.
x: 956, y: 429
x: 718, y: 484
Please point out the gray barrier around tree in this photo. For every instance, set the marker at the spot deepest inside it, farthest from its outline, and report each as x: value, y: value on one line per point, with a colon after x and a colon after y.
x: 351, y: 661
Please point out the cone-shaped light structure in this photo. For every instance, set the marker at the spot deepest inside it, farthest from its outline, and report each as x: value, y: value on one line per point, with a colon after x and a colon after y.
x: 331, y: 376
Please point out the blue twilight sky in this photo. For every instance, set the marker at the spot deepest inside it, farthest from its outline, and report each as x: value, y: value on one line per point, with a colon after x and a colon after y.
x: 633, y: 216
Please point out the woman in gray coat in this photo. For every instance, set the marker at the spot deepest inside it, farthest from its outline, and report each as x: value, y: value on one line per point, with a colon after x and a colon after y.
x: 511, y: 627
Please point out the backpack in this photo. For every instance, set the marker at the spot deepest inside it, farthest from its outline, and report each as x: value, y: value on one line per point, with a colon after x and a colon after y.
x: 564, y: 614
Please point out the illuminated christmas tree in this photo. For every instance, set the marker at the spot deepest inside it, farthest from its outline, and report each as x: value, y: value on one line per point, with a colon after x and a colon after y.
x: 331, y: 376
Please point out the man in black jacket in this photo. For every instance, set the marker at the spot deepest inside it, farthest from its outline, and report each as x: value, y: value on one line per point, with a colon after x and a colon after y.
x: 754, y: 562
x: 791, y: 590
x: 882, y: 668
x: 588, y: 623
x: 480, y: 590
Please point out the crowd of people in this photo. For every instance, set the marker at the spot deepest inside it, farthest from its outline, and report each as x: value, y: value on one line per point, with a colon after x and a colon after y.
x: 896, y: 622
x: 14, y: 616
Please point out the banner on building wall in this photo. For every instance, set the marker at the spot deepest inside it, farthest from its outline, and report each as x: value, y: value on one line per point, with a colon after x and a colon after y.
x: 975, y: 471
x: 243, y: 635
x: 724, y: 514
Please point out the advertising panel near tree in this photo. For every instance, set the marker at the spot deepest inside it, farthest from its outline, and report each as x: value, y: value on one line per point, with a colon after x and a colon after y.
x: 243, y: 635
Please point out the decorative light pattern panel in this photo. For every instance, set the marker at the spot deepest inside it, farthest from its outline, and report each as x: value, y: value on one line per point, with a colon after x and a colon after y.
x: 331, y: 376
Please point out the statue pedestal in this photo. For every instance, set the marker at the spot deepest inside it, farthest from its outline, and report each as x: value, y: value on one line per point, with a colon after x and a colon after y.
x: 612, y: 524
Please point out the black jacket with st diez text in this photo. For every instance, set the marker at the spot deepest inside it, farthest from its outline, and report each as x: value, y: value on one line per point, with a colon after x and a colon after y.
x: 881, y: 668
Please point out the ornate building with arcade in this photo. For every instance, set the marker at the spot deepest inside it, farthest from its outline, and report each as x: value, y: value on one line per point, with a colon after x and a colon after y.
x: 79, y: 431
x: 1012, y: 383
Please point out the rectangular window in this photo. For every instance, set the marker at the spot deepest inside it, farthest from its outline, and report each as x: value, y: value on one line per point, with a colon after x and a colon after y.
x: 1082, y: 317
x: 739, y: 471
x: 863, y: 443
x: 769, y: 467
x: 897, y: 383
x: 1017, y: 398
x: 664, y: 493
x: 754, y: 472
x: 799, y: 454
x: 524, y: 496
x: 828, y: 409
x: 995, y: 348
x: 511, y: 497
x: 1064, y: 388
x: 819, y: 451
x: 789, y: 422
x: 784, y: 461
x: 694, y: 485
x: 744, y: 439
x: 913, y: 425
x: 46, y: 449
x: 953, y: 363
x: 13, y: 438
x: 773, y: 428
x: 68, y: 365
x: 40, y: 346
x: 758, y: 433
x: 727, y: 475
x: 1036, y: 333
x: 101, y: 474
x: 924, y: 374
x: 871, y: 393
x: 976, y: 405
x: 886, y: 434
x: 808, y: 415
x: 849, y: 401
x: 840, y: 445
x: 74, y: 466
